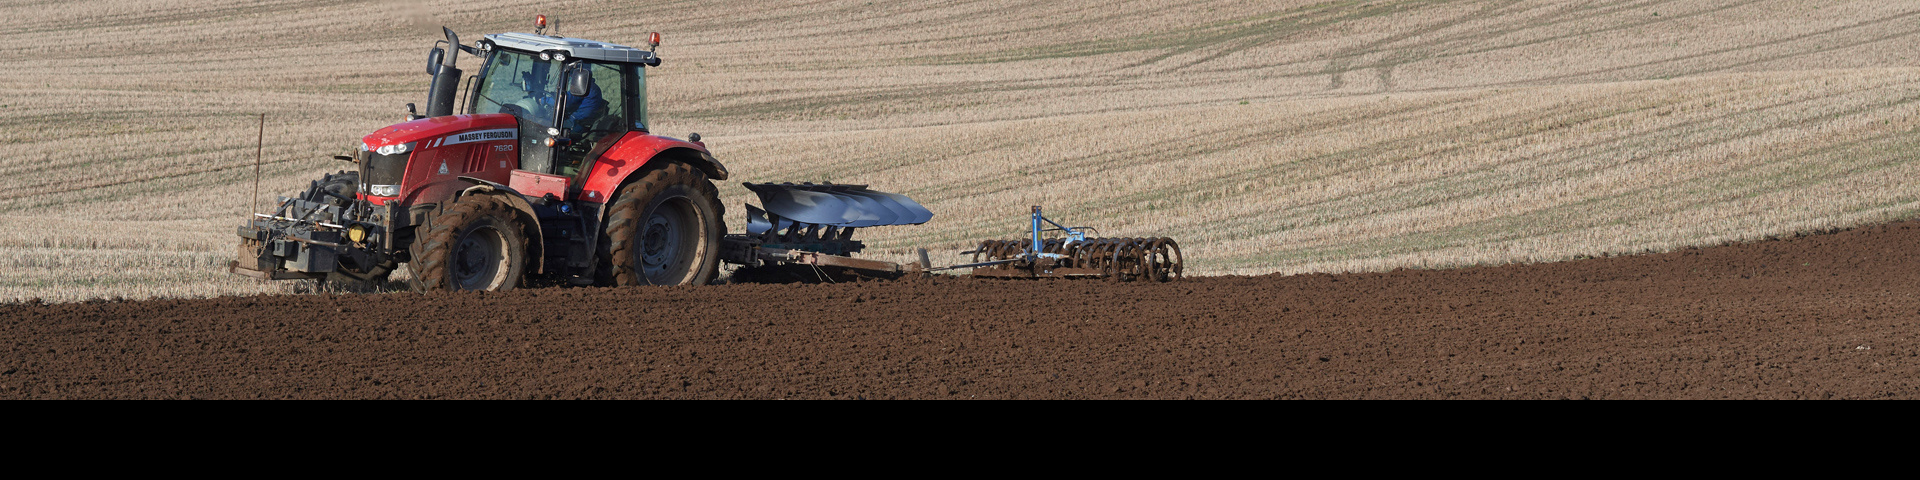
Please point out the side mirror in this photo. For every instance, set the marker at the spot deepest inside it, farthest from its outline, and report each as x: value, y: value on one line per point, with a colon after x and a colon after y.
x: 578, y: 81
x: 433, y: 60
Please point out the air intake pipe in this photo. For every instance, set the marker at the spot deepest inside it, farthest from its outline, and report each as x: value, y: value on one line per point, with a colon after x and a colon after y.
x: 446, y: 77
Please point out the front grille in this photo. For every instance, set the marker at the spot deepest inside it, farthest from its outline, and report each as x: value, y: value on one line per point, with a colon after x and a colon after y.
x: 383, y: 169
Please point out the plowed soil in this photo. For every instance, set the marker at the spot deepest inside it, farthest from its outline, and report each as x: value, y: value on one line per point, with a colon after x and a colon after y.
x: 1824, y: 316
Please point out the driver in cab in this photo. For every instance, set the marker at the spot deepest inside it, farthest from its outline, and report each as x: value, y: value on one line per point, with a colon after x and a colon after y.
x: 582, y: 110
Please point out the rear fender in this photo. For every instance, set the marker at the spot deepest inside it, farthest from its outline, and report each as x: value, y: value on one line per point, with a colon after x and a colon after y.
x: 634, y: 153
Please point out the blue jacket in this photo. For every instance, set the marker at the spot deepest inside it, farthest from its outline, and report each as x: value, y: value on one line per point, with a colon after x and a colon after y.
x: 585, y: 108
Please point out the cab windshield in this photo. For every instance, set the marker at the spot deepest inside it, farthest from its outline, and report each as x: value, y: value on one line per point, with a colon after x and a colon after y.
x: 520, y: 84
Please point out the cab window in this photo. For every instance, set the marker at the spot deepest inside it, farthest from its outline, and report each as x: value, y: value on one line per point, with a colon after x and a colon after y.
x: 517, y: 83
x: 603, y: 109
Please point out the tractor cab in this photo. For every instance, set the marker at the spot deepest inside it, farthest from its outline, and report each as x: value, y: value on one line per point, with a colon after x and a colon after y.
x: 572, y: 98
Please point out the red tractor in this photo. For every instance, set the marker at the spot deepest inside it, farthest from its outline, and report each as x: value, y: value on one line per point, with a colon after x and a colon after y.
x: 547, y: 171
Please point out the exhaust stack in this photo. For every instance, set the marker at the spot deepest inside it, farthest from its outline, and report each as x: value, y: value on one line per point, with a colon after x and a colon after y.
x: 446, y: 77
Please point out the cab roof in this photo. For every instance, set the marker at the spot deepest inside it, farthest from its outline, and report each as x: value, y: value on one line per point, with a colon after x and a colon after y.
x: 574, y: 47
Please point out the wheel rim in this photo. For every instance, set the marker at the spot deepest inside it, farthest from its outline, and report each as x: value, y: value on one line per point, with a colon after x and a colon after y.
x: 667, y: 248
x: 479, y: 259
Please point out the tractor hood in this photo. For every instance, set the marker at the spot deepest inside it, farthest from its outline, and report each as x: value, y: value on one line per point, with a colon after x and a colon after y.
x: 435, y: 127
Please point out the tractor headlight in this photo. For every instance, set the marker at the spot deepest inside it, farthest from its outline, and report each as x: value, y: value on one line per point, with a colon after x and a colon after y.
x: 395, y: 149
x: 383, y: 190
x: 357, y: 233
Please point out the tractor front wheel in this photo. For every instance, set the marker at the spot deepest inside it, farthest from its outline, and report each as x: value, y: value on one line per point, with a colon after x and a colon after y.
x: 476, y: 243
x: 664, y: 229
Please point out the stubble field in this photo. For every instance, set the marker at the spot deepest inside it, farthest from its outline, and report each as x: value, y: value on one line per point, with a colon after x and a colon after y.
x: 1269, y: 137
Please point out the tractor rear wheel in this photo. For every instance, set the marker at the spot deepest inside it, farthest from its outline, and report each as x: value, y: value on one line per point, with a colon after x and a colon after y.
x: 664, y: 229
x: 475, y: 243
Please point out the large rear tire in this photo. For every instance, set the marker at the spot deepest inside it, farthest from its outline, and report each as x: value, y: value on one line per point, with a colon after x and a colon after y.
x: 664, y: 229
x: 475, y: 243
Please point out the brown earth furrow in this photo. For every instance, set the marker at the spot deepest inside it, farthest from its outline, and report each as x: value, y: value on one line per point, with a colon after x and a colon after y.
x: 1823, y: 316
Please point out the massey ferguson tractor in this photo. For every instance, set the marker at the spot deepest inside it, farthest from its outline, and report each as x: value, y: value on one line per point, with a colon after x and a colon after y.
x: 547, y: 173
